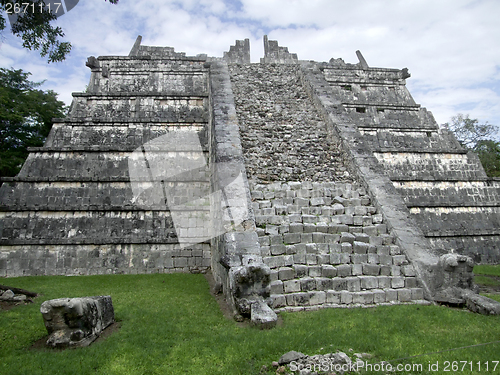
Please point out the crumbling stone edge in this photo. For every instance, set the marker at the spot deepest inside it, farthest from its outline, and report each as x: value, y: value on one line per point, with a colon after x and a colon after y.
x: 444, y: 279
x: 237, y: 263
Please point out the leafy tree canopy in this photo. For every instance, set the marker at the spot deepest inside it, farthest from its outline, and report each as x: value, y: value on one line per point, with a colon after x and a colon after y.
x: 489, y: 154
x: 26, y: 114
x: 478, y: 138
x: 469, y: 131
x: 35, y: 27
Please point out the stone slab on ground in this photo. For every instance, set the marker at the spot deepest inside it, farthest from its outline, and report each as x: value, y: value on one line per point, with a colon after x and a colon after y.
x: 76, y: 322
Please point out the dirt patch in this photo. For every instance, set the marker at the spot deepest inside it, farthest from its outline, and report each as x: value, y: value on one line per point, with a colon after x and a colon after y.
x: 6, y: 305
x: 40, y: 344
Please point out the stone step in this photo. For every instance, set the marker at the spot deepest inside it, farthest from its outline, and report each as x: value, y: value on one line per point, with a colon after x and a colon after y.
x: 126, y: 136
x: 374, y: 296
x: 100, y: 196
x: 346, y: 263
x: 397, y: 268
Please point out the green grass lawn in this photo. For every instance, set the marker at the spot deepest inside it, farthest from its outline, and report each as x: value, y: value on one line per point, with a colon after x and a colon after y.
x: 487, y: 275
x: 487, y: 269
x: 170, y: 324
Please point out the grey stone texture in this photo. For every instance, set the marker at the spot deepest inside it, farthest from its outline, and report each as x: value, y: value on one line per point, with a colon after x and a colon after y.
x: 239, y: 53
x: 273, y: 53
x: 76, y: 322
x: 236, y: 260
x: 283, y: 137
x: 445, y: 188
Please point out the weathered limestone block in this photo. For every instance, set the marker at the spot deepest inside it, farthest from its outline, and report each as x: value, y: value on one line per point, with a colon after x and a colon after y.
x: 457, y: 285
x: 454, y: 276
x: 458, y: 270
x: 76, y: 322
x: 262, y: 315
x: 251, y: 287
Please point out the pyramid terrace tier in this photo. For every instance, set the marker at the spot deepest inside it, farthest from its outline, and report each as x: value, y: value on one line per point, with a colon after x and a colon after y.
x: 458, y: 221
x: 163, y: 108
x: 155, y: 76
x: 100, y: 227
x: 410, y: 140
x: 104, y: 196
x: 369, y: 86
x: 481, y: 248
x: 115, y: 166
x: 390, y: 118
x: 114, y: 136
x: 86, y: 227
x: 449, y: 193
x: 31, y: 260
x: 404, y: 166
x: 163, y: 53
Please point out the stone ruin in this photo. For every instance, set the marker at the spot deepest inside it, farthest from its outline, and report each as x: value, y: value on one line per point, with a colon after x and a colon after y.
x: 76, y: 322
x: 299, y: 184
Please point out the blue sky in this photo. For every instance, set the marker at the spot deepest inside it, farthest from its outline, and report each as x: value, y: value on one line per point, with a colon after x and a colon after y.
x: 451, y: 47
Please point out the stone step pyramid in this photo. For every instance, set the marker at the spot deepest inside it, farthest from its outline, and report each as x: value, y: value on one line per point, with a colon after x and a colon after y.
x: 445, y: 188
x: 298, y: 184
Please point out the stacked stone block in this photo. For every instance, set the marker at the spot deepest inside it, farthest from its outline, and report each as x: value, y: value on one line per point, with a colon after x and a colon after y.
x: 273, y: 53
x: 326, y: 245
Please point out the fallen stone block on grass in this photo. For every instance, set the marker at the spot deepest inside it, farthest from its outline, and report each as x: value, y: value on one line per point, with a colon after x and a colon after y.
x: 262, y: 315
x: 76, y: 322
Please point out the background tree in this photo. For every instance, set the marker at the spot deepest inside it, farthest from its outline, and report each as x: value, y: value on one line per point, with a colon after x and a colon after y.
x: 478, y: 138
x: 489, y: 154
x: 35, y: 27
x: 26, y: 114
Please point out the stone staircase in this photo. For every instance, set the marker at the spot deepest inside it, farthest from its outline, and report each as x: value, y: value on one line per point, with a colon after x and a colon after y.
x: 327, y: 246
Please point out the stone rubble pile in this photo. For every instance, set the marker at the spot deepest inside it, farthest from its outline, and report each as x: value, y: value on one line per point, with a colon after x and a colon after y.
x: 10, y: 296
x: 297, y: 363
